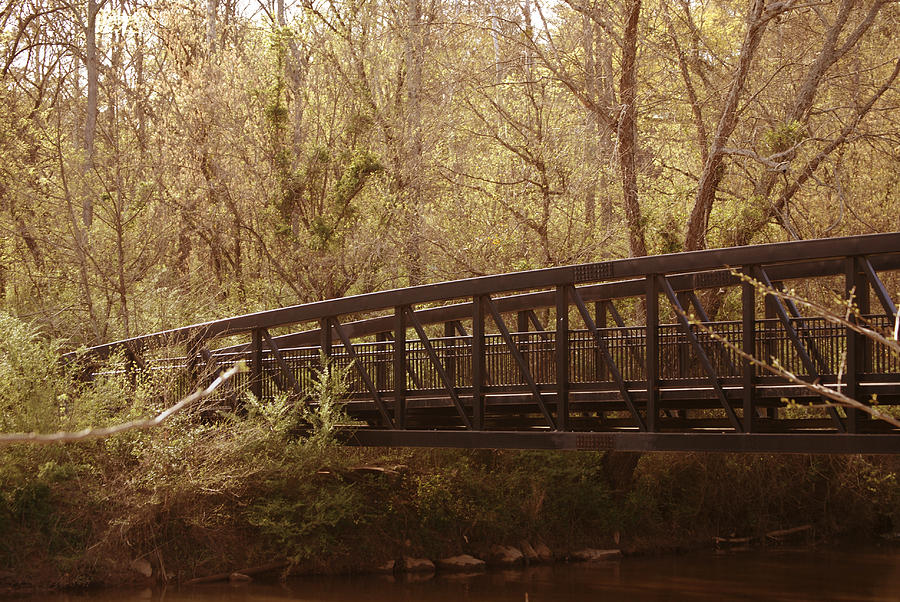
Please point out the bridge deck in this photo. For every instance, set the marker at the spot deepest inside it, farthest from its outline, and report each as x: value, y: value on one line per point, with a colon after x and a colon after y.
x: 546, y: 358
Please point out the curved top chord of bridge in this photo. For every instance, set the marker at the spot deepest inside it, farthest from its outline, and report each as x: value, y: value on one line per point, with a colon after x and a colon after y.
x: 545, y: 358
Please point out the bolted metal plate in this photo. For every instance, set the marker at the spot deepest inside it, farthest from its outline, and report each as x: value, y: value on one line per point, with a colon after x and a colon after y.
x: 594, y: 442
x: 591, y: 272
x: 713, y: 279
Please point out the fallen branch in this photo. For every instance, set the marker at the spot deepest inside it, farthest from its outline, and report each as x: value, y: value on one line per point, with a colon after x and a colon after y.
x: 263, y: 568
x: 131, y: 425
x: 782, y: 533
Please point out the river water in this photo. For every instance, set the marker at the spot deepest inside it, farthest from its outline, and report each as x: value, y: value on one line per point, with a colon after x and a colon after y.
x: 756, y: 575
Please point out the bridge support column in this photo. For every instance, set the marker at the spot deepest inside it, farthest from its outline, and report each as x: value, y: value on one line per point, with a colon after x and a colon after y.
x: 601, y: 372
x: 381, y: 364
x: 748, y: 346
x: 256, y: 371
x: 399, y: 367
x: 562, y: 358
x: 771, y: 346
x: 325, y: 337
x: 652, y: 349
x: 193, y: 362
x: 858, y: 360
x: 478, y: 363
x: 522, y: 321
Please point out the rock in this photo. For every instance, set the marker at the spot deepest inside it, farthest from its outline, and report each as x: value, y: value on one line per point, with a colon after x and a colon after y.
x: 418, y: 577
x: 417, y: 565
x: 239, y: 578
x: 593, y: 555
x: 543, y: 552
x: 463, y: 562
x: 386, y: 568
x: 505, y: 556
x: 528, y: 551
x: 140, y: 565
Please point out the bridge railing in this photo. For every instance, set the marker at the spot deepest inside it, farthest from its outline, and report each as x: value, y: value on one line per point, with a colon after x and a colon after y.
x: 494, y: 343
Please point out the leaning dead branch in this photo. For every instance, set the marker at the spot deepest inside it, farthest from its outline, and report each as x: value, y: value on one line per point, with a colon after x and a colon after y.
x: 131, y: 425
x: 837, y: 398
x: 829, y: 315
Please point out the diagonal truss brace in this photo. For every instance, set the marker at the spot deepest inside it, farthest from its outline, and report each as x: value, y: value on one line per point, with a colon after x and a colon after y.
x: 607, y: 357
x: 517, y: 356
x: 798, y: 345
x: 802, y: 330
x: 701, y: 354
x: 878, y: 287
x: 464, y: 333
x: 704, y: 317
x: 538, y: 327
x: 438, y: 366
x: 287, y: 379
x: 370, y: 385
x: 409, y: 369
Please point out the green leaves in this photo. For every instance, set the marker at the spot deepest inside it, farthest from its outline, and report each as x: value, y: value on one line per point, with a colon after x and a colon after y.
x: 783, y: 137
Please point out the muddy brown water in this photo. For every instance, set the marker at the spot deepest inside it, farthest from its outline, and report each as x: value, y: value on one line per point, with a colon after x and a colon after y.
x: 755, y: 575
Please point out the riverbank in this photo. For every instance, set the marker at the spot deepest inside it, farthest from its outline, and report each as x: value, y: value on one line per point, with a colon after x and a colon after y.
x: 214, y: 490
x: 153, y: 509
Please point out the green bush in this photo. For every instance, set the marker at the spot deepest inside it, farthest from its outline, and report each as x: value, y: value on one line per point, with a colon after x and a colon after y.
x: 34, y: 387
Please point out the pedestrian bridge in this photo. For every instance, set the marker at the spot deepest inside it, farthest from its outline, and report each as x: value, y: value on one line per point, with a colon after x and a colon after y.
x: 616, y: 355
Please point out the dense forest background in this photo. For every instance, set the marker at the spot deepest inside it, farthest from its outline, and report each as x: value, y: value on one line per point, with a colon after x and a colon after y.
x: 164, y: 162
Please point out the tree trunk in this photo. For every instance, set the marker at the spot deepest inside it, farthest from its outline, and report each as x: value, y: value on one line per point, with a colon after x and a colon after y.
x: 714, y: 168
x: 627, y: 132
x: 413, y: 143
x: 618, y: 469
x: 211, y: 6
x: 90, y: 121
x: 591, y: 133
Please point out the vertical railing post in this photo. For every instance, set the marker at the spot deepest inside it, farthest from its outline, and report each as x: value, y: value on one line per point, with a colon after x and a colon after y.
x: 256, y: 371
x: 325, y: 346
x: 381, y: 340
x: 400, y: 367
x: 682, y: 347
x: 193, y: 361
x: 855, y: 284
x: 562, y: 358
x: 652, y: 349
x: 748, y: 346
x: 522, y: 321
x: 771, y: 345
x: 478, y: 363
x: 600, y: 368
x: 450, y: 351
x: 325, y: 338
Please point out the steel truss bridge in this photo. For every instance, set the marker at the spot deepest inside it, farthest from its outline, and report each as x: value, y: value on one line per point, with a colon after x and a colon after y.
x: 616, y: 355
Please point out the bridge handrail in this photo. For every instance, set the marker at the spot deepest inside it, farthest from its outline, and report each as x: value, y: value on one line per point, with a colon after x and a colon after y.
x: 813, y: 254
x: 595, y: 292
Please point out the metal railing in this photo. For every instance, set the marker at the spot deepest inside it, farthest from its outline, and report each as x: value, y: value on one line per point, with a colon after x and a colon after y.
x: 494, y: 361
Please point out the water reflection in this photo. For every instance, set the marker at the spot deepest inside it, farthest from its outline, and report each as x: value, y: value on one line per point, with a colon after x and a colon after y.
x: 769, y: 575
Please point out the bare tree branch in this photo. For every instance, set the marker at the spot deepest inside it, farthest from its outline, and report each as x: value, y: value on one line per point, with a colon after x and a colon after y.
x: 132, y: 425
x: 775, y: 367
